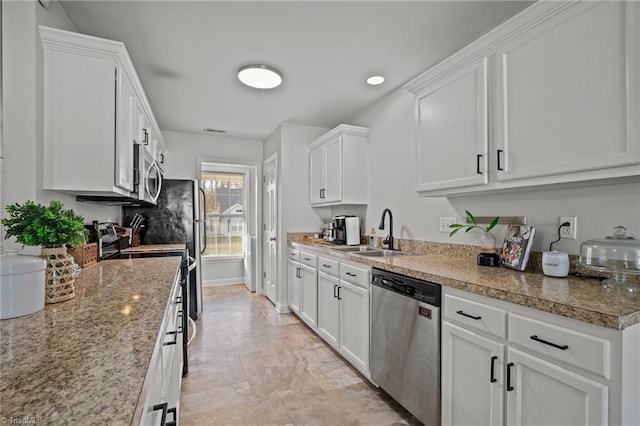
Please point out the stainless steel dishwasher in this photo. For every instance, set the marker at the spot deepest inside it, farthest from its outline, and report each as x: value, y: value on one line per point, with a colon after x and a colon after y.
x: 405, y: 342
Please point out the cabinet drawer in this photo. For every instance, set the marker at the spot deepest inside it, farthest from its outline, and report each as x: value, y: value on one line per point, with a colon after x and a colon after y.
x: 328, y: 266
x: 563, y: 344
x: 294, y: 255
x: 476, y: 315
x: 308, y: 259
x: 354, y: 275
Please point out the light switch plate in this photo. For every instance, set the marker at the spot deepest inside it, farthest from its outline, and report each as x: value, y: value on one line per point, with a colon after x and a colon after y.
x: 445, y: 222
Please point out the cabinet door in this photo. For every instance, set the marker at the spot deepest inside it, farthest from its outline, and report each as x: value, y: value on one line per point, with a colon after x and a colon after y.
x: 316, y: 175
x: 328, y: 309
x: 453, y: 130
x: 541, y: 393
x: 309, y: 298
x: 294, y: 286
x: 354, y: 324
x: 569, y: 93
x: 333, y: 170
x: 79, y: 122
x: 472, y: 384
x: 124, y: 139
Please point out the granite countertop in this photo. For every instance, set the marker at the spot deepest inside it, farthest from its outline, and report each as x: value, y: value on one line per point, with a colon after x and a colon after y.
x: 84, y: 361
x: 573, y: 297
x: 148, y: 248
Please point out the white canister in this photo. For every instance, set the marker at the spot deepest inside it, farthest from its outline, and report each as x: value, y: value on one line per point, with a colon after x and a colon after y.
x: 555, y: 264
x: 22, y: 281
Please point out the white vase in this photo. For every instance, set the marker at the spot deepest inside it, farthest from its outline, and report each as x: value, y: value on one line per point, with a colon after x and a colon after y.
x: 488, y: 241
x: 21, y: 284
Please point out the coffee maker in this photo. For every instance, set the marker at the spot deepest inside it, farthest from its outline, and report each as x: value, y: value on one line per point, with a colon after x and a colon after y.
x: 346, y: 230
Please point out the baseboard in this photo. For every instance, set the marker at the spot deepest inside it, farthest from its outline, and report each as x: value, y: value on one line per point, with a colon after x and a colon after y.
x: 282, y: 309
x: 225, y: 281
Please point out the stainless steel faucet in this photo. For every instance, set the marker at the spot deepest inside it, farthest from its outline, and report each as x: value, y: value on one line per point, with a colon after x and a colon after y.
x: 389, y: 240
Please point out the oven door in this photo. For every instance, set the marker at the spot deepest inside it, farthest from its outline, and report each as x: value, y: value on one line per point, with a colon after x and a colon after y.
x: 150, y: 178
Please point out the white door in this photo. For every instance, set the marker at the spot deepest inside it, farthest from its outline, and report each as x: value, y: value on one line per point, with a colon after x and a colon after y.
x: 540, y: 393
x: 270, y: 227
x: 354, y: 324
x: 472, y: 383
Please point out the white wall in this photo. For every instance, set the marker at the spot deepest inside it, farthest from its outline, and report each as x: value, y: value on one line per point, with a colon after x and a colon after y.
x: 183, y: 153
x: 294, y: 212
x: 392, y: 154
x: 22, y: 89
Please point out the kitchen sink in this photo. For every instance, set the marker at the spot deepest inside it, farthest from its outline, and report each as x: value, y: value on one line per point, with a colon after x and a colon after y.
x: 357, y: 249
x: 384, y: 253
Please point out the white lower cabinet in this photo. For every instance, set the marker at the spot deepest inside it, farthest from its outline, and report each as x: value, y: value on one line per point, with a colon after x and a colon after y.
x: 542, y: 393
x: 302, y: 280
x: 163, y: 383
x: 472, y: 381
x: 329, y: 309
x: 504, y: 364
x: 334, y: 300
x: 354, y: 324
x: 309, y: 286
x: 293, y: 280
x: 344, y: 312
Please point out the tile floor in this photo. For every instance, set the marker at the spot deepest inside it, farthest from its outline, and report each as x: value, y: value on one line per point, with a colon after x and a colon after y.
x: 251, y: 366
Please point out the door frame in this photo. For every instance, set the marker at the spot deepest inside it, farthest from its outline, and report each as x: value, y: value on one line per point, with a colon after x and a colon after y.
x: 273, y: 158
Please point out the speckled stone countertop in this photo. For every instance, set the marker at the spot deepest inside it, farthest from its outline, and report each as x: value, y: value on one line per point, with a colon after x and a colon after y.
x: 147, y: 248
x: 84, y: 361
x: 573, y: 297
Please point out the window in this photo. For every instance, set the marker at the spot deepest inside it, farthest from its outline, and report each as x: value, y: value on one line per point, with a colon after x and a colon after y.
x: 225, y: 218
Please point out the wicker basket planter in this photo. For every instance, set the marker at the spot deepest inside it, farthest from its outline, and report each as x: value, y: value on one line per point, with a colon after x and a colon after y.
x: 59, y: 285
x: 85, y: 255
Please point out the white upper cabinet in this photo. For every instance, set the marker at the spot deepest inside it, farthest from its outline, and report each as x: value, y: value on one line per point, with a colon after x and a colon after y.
x: 552, y: 96
x: 91, y: 107
x: 452, y: 125
x: 338, y: 167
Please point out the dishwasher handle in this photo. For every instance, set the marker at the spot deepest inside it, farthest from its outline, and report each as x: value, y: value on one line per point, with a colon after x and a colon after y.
x: 398, y: 286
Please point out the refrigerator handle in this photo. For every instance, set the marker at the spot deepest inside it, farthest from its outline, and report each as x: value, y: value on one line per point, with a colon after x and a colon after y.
x: 203, y: 220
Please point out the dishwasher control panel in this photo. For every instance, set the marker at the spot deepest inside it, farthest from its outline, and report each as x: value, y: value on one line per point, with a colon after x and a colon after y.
x: 423, y: 291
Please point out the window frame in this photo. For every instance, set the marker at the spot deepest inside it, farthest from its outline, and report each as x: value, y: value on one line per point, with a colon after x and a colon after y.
x: 228, y: 169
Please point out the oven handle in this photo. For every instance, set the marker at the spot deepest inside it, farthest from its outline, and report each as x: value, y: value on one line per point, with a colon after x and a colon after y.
x: 192, y: 264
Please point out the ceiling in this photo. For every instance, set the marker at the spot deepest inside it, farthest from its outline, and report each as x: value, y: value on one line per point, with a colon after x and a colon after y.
x: 187, y: 54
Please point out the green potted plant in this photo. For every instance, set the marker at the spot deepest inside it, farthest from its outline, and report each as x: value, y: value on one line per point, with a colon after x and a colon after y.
x: 487, y: 240
x: 53, y: 228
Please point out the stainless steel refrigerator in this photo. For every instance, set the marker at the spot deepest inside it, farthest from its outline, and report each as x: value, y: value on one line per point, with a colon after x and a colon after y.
x: 176, y: 219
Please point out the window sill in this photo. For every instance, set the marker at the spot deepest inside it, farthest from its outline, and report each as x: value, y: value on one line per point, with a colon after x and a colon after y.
x: 211, y: 258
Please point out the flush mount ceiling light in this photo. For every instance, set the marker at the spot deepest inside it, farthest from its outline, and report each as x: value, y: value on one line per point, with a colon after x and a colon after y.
x: 260, y: 76
x: 375, y: 80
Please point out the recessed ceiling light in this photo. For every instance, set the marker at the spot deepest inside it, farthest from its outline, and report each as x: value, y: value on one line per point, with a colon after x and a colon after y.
x: 260, y: 76
x: 375, y: 80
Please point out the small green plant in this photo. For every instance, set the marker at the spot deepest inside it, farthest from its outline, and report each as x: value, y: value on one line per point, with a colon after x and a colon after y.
x: 473, y: 224
x: 48, y: 226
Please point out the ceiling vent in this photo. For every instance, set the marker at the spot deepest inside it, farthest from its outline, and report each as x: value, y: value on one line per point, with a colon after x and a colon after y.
x: 210, y: 130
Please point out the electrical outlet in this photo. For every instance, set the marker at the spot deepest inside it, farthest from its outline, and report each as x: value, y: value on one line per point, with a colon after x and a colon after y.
x: 569, y: 232
x: 445, y: 222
